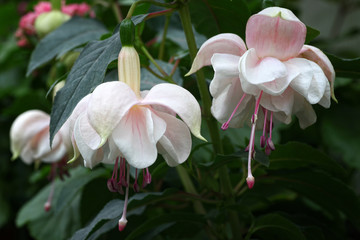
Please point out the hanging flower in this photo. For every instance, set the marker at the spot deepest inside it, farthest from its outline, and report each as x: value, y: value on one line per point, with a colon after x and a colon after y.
x: 29, y: 137
x: 273, y: 73
x: 119, y: 124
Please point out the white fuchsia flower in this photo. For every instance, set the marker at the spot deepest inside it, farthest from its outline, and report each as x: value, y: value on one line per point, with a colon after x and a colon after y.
x: 119, y: 124
x: 273, y: 73
x: 30, y: 140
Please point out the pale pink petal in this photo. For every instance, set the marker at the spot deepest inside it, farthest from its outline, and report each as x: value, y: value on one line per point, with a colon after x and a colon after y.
x: 284, y: 102
x: 178, y: 100
x: 303, y: 111
x: 276, y: 35
x: 225, y: 103
x: 222, y: 43
x: 310, y: 80
x: 108, y: 103
x: 267, y: 74
x: 316, y: 55
x: 136, y: 136
x: 226, y: 67
x: 91, y: 157
x: 175, y: 144
x: 90, y: 137
x: 25, y: 127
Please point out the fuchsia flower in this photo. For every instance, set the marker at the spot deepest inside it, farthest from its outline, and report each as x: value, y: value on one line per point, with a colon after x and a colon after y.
x: 42, y: 7
x: 29, y: 137
x: 118, y: 123
x: 276, y: 74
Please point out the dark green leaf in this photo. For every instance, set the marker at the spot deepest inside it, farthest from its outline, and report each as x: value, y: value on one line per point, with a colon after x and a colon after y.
x: 345, y: 67
x: 311, y: 33
x: 75, y: 185
x: 295, y: 155
x: 164, y: 221
x: 327, y: 192
x: 71, y: 34
x: 275, y: 226
x: 112, y: 210
x: 212, y: 17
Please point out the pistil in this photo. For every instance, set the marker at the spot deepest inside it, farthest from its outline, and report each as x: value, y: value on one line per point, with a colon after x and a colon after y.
x: 123, y: 221
x: 250, y: 179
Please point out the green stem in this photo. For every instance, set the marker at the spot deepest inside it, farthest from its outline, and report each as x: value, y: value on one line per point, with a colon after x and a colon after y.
x: 162, y: 45
x: 211, y: 122
x: 189, y: 188
x: 56, y: 4
x: 116, y: 9
x: 134, y: 5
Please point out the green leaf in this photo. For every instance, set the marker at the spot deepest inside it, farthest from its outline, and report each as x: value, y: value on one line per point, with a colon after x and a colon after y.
x: 212, y: 17
x: 75, y: 185
x: 339, y: 137
x: 71, y: 34
x: 311, y: 33
x: 34, y: 209
x: 345, y: 67
x: 295, y: 155
x: 87, y: 73
x: 332, y: 195
x: 275, y: 226
x: 112, y: 210
x: 165, y: 221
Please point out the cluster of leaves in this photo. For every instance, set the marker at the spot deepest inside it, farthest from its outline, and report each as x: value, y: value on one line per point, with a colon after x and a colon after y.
x: 303, y: 190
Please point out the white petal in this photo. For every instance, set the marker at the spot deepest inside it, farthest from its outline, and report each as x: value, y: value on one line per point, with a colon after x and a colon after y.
x: 226, y: 68
x: 268, y: 74
x: 25, y: 127
x: 226, y: 101
x: 111, y: 151
x: 304, y: 111
x: 178, y: 100
x: 325, y: 100
x: 310, y: 81
x: 91, y: 157
x: 222, y: 43
x: 175, y: 144
x: 136, y: 136
x: 108, y: 103
x: 284, y: 102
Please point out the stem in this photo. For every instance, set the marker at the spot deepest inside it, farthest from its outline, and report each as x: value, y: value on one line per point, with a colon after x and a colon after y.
x: 190, y: 188
x: 56, y: 4
x: 134, y: 5
x: 162, y: 45
x: 211, y: 122
x: 116, y: 8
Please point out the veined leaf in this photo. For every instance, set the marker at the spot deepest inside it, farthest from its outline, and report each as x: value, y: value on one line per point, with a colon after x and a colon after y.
x: 71, y: 34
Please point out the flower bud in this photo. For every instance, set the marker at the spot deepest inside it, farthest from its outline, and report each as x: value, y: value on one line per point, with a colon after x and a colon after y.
x: 49, y: 21
x: 129, y: 68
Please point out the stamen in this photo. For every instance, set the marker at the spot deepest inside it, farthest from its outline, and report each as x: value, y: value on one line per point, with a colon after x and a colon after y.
x: 226, y: 124
x: 123, y: 221
x: 47, y: 205
x: 136, y: 185
x: 269, y: 143
x: 263, y: 137
x: 148, y: 176
x: 250, y: 179
x: 111, y: 183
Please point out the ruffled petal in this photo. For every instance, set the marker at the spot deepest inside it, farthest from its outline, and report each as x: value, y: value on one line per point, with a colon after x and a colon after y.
x: 175, y: 144
x: 221, y: 43
x: 316, y: 55
x: 284, y: 102
x: 178, y: 100
x: 91, y: 156
x: 108, y: 103
x: 226, y: 67
x: 225, y: 103
x: 25, y: 127
x: 310, y: 80
x: 136, y: 136
x: 275, y: 32
x: 267, y: 74
x: 303, y: 111
x: 111, y: 151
